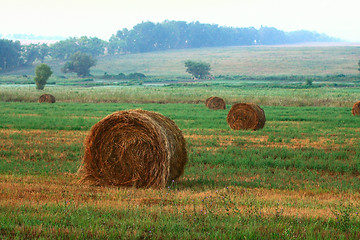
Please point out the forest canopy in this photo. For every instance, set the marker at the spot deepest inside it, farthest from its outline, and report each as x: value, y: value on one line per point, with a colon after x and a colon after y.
x: 149, y: 36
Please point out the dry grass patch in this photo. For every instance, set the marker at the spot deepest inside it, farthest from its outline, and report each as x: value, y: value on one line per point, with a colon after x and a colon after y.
x: 27, y: 115
x: 46, y: 135
x: 34, y: 190
x: 326, y: 143
x: 30, y: 145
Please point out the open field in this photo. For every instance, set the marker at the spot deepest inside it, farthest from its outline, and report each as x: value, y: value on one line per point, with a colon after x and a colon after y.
x: 296, y: 178
x: 256, y: 60
x: 261, y: 60
x: 189, y: 93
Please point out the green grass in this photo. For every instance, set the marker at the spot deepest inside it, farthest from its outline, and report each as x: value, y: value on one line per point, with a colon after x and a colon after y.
x: 66, y: 221
x: 220, y: 194
x: 311, y: 125
x: 81, y: 116
x: 325, y: 96
x: 297, y: 178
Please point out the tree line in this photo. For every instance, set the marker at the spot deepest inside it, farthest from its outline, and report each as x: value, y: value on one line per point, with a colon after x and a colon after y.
x: 149, y: 36
x: 14, y: 55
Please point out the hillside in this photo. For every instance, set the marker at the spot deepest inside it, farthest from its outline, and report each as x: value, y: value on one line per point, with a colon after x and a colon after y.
x: 254, y: 60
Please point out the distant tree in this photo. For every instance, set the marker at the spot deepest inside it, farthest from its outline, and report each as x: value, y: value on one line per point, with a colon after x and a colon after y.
x: 64, y: 49
x: 93, y: 45
x: 42, y: 74
x: 203, y: 35
x: 308, y: 36
x: 44, y: 51
x: 136, y: 76
x: 10, y: 54
x: 270, y: 35
x: 148, y: 36
x: 116, y: 45
x: 144, y: 37
x: 308, y: 82
x: 177, y: 36
x: 30, y: 53
x: 198, y: 69
x: 359, y: 65
x: 80, y: 64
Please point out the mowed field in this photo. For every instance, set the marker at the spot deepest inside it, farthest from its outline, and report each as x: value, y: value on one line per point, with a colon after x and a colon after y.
x: 297, y: 178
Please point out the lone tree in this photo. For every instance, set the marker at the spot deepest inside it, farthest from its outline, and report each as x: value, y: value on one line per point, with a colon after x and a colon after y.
x: 42, y: 74
x: 308, y: 82
x: 198, y: 69
x: 359, y: 65
x: 80, y: 64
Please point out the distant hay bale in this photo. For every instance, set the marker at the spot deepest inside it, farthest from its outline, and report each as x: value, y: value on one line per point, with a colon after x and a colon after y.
x: 207, y: 100
x: 215, y: 103
x: 46, y: 98
x: 246, y: 116
x: 134, y: 148
x: 356, y: 109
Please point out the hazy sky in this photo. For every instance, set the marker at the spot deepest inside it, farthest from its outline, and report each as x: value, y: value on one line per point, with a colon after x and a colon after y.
x: 102, y: 18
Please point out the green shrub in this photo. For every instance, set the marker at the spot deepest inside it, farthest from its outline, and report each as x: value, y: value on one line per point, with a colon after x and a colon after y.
x: 42, y: 74
x: 136, y: 76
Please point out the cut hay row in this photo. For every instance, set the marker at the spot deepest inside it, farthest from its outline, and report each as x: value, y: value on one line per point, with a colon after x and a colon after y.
x: 46, y: 98
x: 215, y: 103
x: 134, y: 148
x: 246, y: 116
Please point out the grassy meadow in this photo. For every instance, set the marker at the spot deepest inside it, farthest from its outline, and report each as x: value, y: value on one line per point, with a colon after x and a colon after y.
x: 297, y: 178
x: 255, y: 60
x: 273, y: 60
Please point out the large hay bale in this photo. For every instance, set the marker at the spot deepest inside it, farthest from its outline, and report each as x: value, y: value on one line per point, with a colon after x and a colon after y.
x: 356, y: 109
x: 134, y: 148
x: 46, y: 98
x: 215, y: 103
x: 246, y: 116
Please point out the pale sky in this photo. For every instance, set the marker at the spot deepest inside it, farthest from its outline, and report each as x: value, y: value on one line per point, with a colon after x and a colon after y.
x: 102, y: 18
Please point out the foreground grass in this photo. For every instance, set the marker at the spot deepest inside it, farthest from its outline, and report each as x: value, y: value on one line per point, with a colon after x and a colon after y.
x: 71, y: 211
x: 296, y: 178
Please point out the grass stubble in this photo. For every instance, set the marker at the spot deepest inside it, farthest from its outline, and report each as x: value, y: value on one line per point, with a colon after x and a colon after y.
x: 296, y: 178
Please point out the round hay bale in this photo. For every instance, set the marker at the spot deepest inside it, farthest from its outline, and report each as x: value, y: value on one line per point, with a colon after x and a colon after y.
x: 246, y: 116
x: 207, y: 100
x: 134, y: 148
x: 46, y: 98
x: 356, y: 109
x: 215, y: 103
